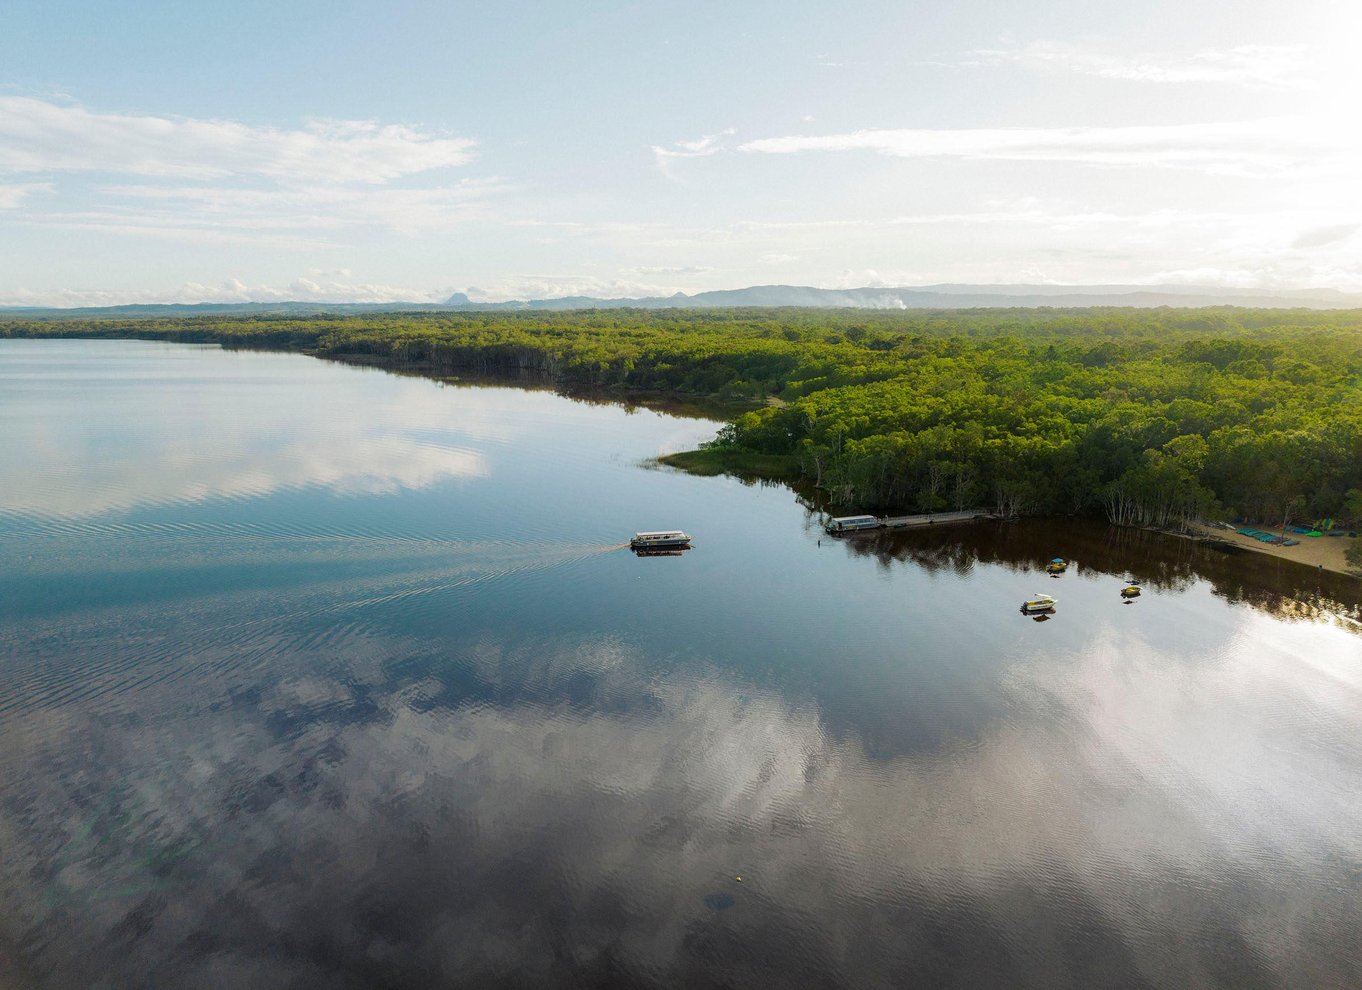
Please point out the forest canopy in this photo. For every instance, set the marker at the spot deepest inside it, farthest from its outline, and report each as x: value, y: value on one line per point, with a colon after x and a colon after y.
x: 1152, y: 417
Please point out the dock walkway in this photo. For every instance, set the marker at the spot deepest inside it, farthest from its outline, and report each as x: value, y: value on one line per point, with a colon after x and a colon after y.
x: 933, y: 518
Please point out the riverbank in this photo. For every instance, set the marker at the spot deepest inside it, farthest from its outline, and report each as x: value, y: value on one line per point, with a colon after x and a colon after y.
x: 1320, y: 552
x: 687, y: 404
x: 709, y: 461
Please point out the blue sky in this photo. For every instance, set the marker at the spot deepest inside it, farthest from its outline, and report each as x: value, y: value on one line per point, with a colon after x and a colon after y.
x: 187, y: 152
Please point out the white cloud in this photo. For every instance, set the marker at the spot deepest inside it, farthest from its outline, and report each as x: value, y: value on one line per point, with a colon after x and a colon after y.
x: 670, y: 270
x: 229, y: 183
x: 1258, y: 66
x: 1239, y: 147
x: 826, y: 60
x: 1322, y: 236
x: 12, y: 196
x: 1264, y: 273
x: 701, y: 147
x: 317, y: 286
x: 168, y: 229
x: 213, y: 212
x: 556, y: 286
x: 1022, y: 214
x: 42, y: 136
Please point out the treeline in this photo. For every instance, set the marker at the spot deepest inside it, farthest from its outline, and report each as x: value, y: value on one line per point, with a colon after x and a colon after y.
x: 1152, y: 417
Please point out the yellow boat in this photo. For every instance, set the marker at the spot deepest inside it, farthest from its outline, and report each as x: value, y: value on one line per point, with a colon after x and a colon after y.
x: 1130, y: 591
x: 1038, y: 603
x: 1057, y: 566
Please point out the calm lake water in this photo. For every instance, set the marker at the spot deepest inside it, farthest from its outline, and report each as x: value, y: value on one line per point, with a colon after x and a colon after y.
x: 320, y: 676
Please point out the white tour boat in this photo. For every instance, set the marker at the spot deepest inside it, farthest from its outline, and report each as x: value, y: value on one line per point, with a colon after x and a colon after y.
x: 663, y: 539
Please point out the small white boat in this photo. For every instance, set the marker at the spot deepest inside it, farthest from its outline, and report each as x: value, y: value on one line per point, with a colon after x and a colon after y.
x: 662, y: 539
x: 1039, y: 603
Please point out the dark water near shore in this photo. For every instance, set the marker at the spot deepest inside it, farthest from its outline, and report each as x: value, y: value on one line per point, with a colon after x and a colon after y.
x: 319, y: 676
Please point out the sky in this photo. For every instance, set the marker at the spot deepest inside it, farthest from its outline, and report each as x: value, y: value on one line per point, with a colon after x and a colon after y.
x: 351, y: 152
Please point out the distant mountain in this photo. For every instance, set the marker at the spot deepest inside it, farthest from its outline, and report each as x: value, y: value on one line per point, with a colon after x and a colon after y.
x: 948, y: 297
x: 944, y: 296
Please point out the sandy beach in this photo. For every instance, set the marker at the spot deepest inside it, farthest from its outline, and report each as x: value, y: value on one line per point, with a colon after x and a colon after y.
x: 1314, y: 551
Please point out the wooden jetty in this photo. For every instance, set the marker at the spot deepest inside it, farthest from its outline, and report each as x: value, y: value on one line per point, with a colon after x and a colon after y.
x: 851, y: 525
x: 935, y: 518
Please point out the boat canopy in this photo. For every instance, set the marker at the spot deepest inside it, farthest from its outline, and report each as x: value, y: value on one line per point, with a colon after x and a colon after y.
x: 843, y: 523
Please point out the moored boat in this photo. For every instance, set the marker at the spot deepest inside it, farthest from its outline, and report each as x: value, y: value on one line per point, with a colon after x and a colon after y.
x: 1038, y: 603
x: 1131, y: 590
x: 662, y: 539
x: 852, y: 524
x: 1057, y: 566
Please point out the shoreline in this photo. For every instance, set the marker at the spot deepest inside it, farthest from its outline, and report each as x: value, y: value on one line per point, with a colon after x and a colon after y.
x: 1317, y: 553
x: 687, y: 404
x: 712, y: 461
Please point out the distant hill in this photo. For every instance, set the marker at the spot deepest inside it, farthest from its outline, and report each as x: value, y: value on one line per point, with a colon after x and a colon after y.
x: 948, y: 297
x: 945, y: 296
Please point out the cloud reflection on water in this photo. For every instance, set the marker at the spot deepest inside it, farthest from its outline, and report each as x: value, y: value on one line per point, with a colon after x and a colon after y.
x: 377, y: 826
x: 179, y: 435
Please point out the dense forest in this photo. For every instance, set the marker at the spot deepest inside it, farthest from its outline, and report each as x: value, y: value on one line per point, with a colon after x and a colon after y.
x: 1151, y: 417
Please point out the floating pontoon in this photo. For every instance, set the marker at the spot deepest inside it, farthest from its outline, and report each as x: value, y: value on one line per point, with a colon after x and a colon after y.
x: 662, y: 539
x: 852, y: 524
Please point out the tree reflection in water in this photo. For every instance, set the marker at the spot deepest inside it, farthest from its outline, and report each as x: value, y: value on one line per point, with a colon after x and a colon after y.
x: 1158, y: 561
